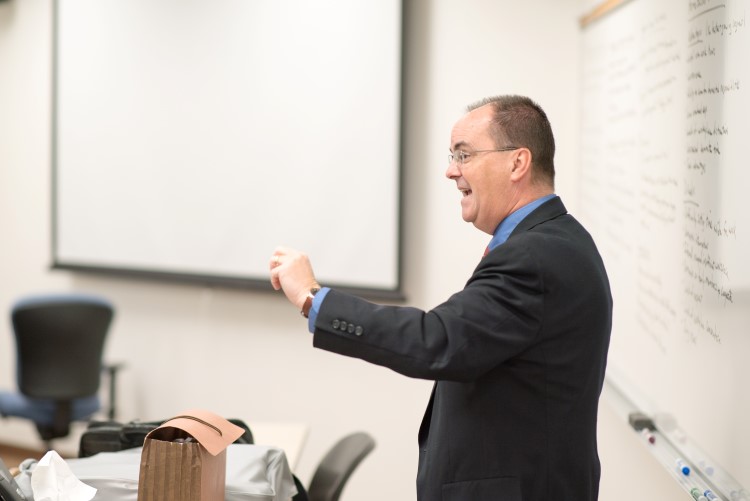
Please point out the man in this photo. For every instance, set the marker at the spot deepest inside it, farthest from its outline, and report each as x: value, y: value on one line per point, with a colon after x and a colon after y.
x: 519, y: 354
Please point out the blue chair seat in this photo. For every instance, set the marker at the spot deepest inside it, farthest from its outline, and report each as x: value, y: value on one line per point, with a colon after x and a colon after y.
x: 42, y: 411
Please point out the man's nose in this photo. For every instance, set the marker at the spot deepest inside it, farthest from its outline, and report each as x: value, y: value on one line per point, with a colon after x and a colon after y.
x: 453, y: 172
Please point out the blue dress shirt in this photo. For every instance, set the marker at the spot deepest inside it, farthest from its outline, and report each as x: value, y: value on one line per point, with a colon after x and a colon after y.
x: 507, y: 225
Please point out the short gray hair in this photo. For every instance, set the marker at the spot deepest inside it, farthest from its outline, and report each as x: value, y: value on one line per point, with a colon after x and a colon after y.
x: 519, y: 121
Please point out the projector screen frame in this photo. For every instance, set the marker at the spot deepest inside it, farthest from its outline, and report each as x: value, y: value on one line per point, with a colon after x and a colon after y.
x: 207, y: 279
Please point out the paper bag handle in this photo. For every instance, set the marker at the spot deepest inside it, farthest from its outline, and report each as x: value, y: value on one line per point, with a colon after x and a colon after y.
x: 200, y: 421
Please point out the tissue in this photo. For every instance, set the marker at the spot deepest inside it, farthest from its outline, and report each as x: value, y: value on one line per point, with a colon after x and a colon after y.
x: 52, y: 480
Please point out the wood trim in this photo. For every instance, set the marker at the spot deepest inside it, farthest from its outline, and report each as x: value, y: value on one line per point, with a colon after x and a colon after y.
x: 600, y: 11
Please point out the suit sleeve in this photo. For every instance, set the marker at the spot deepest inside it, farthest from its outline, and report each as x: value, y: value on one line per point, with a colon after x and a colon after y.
x: 496, y: 316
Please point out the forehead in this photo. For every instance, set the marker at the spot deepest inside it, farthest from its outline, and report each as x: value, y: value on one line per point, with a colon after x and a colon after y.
x: 473, y: 128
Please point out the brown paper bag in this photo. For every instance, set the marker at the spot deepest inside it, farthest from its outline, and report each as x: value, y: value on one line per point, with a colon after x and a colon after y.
x: 185, y: 458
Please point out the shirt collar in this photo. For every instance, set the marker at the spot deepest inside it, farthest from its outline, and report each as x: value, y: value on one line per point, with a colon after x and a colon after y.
x: 507, y: 225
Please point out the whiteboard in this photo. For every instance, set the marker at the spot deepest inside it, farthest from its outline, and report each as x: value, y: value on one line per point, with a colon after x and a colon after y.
x: 191, y: 137
x: 666, y: 111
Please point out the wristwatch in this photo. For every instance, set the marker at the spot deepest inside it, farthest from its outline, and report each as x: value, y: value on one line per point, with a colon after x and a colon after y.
x: 308, y: 302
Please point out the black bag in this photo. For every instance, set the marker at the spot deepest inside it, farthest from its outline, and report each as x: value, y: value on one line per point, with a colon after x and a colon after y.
x: 112, y: 436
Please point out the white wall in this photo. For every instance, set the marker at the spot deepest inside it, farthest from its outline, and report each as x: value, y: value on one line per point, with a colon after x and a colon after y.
x: 247, y: 354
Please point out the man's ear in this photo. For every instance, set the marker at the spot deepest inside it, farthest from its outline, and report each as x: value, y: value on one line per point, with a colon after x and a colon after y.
x: 521, y: 163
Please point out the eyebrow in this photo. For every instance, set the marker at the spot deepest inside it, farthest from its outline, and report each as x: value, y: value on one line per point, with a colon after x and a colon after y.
x: 459, y: 145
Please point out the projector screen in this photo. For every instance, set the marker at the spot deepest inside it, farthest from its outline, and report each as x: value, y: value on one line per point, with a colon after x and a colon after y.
x: 191, y: 137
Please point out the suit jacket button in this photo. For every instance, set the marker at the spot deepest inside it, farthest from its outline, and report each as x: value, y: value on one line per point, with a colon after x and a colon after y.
x: 350, y: 329
x: 343, y: 326
x: 359, y: 330
x: 335, y: 323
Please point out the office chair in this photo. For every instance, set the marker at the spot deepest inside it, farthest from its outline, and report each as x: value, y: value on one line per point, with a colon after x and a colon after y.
x: 59, y: 345
x: 337, y: 466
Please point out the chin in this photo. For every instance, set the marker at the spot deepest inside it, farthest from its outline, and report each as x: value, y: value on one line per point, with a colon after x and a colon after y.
x: 468, y: 216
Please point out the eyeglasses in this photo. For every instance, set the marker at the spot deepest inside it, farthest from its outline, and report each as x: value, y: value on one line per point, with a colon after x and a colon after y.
x: 461, y: 156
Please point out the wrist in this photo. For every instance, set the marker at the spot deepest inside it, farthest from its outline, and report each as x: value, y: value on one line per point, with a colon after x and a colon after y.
x: 307, y: 304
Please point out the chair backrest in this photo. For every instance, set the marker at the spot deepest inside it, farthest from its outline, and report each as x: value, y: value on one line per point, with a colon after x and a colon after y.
x: 60, y: 343
x: 337, y: 465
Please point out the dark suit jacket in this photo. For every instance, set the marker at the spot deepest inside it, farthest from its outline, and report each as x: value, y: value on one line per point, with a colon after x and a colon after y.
x: 518, y: 357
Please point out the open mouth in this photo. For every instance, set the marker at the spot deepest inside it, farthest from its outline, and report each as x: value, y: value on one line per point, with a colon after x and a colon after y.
x: 466, y: 193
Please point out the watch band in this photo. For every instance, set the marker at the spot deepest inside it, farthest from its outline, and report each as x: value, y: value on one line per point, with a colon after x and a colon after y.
x: 308, y: 302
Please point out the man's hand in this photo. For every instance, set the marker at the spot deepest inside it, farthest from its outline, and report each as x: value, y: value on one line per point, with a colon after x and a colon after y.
x: 291, y: 271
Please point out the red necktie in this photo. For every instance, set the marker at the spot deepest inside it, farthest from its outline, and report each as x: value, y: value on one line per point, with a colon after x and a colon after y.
x: 486, y: 251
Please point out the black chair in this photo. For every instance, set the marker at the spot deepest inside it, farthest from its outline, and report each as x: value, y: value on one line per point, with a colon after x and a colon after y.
x: 337, y: 466
x: 59, y: 343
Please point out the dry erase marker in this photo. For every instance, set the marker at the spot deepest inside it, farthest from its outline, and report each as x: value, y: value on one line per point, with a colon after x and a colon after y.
x: 682, y: 467
x: 648, y: 436
x: 710, y: 495
x: 738, y: 495
x: 694, y: 491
